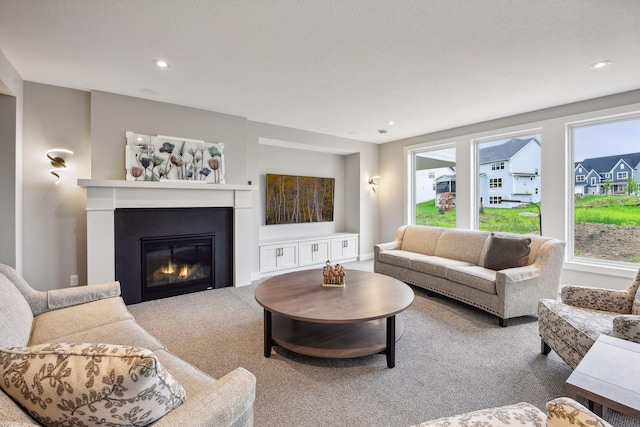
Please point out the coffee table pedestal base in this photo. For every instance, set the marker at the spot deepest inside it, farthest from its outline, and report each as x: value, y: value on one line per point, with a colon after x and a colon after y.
x: 333, y: 340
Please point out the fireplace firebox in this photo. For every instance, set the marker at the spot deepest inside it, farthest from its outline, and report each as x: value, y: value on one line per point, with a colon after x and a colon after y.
x: 177, y: 263
x: 163, y: 252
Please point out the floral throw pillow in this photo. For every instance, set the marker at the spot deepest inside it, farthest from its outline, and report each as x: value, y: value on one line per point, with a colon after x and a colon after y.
x: 89, y: 384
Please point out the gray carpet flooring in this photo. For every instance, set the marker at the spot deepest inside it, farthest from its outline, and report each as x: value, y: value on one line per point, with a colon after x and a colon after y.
x: 452, y: 358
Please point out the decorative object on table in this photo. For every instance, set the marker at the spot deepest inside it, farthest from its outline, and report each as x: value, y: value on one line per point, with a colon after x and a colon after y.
x: 333, y: 275
x: 168, y: 158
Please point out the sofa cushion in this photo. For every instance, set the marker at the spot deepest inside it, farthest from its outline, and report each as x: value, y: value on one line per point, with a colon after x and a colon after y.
x: 565, y: 412
x: 83, y: 384
x: 635, y: 287
x: 398, y: 257
x: 49, y: 327
x: 475, y: 277
x: 123, y: 332
x: 435, y: 265
x: 463, y: 245
x: 16, y: 317
x: 422, y: 240
x: 507, y: 252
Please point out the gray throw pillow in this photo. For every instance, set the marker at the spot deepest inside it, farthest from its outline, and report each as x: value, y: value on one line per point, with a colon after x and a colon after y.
x: 507, y: 252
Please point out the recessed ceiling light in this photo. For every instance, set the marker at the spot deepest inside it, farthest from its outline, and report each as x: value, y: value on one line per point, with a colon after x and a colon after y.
x: 600, y: 64
x: 161, y: 63
x: 391, y: 123
x: 382, y: 131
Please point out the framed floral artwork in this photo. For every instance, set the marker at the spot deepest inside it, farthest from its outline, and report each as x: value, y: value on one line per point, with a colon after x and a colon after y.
x: 162, y: 158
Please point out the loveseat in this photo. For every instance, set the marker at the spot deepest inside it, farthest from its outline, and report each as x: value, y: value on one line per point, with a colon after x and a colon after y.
x: 47, y: 329
x: 502, y: 273
x: 570, y: 325
x: 561, y: 412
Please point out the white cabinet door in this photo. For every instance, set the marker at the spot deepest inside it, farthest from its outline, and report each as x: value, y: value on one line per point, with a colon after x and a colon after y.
x: 345, y: 247
x: 278, y: 257
x: 313, y: 252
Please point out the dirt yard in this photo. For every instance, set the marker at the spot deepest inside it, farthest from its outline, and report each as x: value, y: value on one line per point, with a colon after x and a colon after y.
x: 604, y: 241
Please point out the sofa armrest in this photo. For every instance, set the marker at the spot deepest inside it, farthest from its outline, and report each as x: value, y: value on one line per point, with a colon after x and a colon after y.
x: 389, y: 246
x: 597, y: 298
x: 564, y: 411
x: 627, y: 327
x: 518, y: 274
x: 67, y: 297
x: 228, y: 402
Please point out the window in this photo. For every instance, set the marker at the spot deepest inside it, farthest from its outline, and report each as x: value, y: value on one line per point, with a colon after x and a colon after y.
x: 508, y: 169
x: 580, y: 178
x: 593, y: 180
x: 433, y: 186
x: 605, y: 219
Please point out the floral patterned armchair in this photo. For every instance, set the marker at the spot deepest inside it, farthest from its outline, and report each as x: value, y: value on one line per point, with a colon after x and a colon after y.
x: 571, y: 325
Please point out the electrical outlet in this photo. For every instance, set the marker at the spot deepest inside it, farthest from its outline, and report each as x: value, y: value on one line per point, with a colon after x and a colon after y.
x: 73, y: 281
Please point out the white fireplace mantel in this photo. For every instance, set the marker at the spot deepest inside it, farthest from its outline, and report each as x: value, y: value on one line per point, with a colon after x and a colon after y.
x: 105, y: 196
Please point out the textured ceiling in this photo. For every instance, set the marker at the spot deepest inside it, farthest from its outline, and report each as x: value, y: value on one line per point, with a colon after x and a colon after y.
x: 343, y: 67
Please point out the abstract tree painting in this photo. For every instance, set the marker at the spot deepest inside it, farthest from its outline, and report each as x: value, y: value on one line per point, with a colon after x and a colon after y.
x: 298, y: 199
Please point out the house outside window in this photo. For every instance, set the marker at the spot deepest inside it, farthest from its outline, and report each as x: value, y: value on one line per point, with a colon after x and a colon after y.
x: 432, y: 190
x: 508, y: 168
x: 604, y: 215
x: 580, y: 178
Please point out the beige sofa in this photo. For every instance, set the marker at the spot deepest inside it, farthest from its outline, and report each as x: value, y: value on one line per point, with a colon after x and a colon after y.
x: 97, y: 314
x: 561, y: 412
x: 466, y: 265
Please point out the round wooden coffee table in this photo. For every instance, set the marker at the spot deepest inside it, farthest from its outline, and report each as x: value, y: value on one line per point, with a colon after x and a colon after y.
x: 359, y: 319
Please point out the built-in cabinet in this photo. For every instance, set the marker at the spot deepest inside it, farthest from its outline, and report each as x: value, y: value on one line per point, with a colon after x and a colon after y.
x: 299, y: 253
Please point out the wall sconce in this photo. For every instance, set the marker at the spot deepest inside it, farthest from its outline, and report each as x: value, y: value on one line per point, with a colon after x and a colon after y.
x: 57, y: 161
x: 374, y: 181
x: 539, y: 214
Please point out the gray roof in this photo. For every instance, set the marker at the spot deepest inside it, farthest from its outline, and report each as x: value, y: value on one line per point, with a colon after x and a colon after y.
x: 503, y: 151
x: 605, y: 164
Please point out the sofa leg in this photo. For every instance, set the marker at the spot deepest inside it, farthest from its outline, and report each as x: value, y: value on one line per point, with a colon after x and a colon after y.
x: 503, y: 322
x: 544, y: 347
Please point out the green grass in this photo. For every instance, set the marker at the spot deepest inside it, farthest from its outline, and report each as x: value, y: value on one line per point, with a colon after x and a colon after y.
x: 618, y: 210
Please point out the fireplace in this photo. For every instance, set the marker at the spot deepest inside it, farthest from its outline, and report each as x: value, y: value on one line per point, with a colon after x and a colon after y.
x: 177, y: 264
x: 162, y: 252
x: 106, y: 197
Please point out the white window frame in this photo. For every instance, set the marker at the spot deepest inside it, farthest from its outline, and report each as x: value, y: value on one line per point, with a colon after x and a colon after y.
x: 581, y: 178
x: 495, y: 200
x: 622, y: 175
x: 496, y: 166
x: 410, y: 166
x: 574, y: 262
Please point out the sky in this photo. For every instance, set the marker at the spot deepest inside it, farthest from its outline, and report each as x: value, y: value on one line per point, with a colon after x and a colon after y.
x: 607, y: 139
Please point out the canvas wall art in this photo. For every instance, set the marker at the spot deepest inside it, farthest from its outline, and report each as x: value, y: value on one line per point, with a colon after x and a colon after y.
x: 298, y: 199
x: 160, y: 158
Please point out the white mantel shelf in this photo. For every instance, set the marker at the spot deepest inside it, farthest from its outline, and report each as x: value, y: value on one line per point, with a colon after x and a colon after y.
x: 118, y: 183
x: 105, y: 196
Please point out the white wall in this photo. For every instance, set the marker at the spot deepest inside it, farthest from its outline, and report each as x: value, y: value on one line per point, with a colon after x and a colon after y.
x: 54, y: 235
x: 287, y: 161
x: 112, y: 115
x: 11, y: 85
x: 555, y: 162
